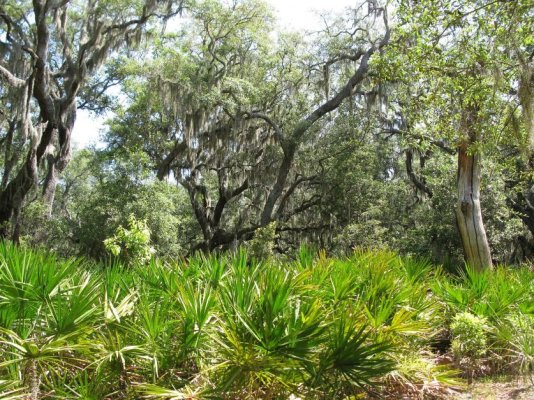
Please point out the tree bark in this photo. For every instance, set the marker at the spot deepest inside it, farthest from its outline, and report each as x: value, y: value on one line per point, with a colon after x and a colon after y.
x: 16, y: 190
x: 418, y: 183
x: 468, y: 211
x: 57, y: 164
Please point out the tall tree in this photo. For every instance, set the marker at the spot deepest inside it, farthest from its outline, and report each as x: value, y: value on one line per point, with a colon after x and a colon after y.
x: 451, y: 64
x: 239, y: 112
x: 48, y: 50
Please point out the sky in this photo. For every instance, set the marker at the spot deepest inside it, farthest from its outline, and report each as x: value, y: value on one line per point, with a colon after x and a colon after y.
x: 292, y: 15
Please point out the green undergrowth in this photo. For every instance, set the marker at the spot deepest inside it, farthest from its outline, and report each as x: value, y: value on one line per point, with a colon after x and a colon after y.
x: 227, y: 327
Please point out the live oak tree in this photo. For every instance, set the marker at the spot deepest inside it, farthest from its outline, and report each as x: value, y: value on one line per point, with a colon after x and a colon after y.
x: 343, y: 137
x: 186, y: 115
x: 457, y: 81
x: 232, y: 113
x: 48, y: 51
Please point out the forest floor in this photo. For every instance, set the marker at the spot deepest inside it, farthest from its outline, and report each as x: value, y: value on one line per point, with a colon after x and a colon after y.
x: 497, y: 389
x: 518, y: 390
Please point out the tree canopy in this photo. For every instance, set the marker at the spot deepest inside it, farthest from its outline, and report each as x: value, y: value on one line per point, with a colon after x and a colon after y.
x: 401, y: 124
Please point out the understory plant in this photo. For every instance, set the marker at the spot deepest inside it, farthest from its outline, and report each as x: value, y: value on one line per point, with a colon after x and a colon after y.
x: 228, y: 326
x: 469, y: 343
x: 131, y: 244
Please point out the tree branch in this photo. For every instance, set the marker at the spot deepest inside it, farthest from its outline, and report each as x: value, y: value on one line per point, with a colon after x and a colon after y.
x: 289, y: 192
x: 277, y: 131
x: 419, y: 184
x: 165, y: 166
x: 225, y: 198
x: 313, y: 201
x: 11, y: 79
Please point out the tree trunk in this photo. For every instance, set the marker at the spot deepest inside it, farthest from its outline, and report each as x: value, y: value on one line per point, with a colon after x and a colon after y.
x: 58, y: 163
x: 278, y: 187
x: 468, y: 212
x: 49, y: 186
x: 33, y: 380
x: 16, y: 190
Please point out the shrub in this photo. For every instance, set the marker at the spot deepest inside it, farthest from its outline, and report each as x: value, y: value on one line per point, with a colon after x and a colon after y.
x: 516, y: 338
x: 228, y: 327
x: 469, y: 336
x: 469, y: 342
x: 132, y: 244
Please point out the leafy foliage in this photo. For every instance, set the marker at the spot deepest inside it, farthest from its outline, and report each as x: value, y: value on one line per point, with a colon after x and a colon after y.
x: 469, y: 336
x: 229, y: 326
x: 132, y: 243
x: 244, y: 144
x: 262, y: 245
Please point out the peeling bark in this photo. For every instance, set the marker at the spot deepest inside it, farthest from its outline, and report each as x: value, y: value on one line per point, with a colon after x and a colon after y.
x: 468, y: 211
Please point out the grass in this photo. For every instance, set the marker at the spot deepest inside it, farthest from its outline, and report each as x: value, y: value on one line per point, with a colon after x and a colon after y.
x: 228, y: 327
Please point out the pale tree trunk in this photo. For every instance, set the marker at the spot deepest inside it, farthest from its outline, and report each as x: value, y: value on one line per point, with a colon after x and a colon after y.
x: 468, y: 211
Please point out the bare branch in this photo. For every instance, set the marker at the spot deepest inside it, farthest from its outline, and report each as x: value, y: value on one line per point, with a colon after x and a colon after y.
x: 225, y: 198
x: 283, y: 202
x: 438, y: 143
x: 11, y: 79
x: 313, y: 201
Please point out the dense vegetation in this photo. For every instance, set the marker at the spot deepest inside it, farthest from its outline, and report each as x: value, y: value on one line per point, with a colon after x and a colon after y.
x: 233, y: 147
x: 400, y: 124
x: 230, y: 327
